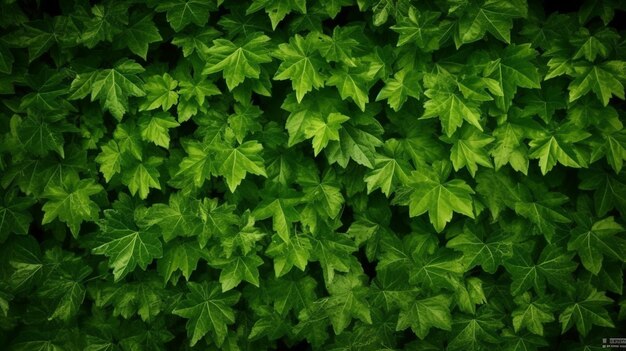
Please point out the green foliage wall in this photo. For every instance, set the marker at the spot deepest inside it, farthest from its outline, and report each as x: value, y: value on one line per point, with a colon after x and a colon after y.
x: 316, y: 174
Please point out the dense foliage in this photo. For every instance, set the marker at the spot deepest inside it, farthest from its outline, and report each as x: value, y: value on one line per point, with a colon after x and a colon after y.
x: 322, y: 174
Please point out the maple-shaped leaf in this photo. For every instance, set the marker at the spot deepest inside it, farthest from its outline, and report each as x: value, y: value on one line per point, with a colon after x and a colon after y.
x: 602, y: 79
x: 179, y: 218
x: 277, y: 9
x: 347, y: 300
x: 339, y: 47
x: 283, y: 214
x: 404, y: 83
x: 435, y: 271
x: 160, y: 92
x: 292, y: 292
x: 352, y: 83
x: 40, y: 133
x: 554, y: 267
x: 557, y: 145
x: 423, y: 314
x: 301, y: 63
x: 531, y: 314
x: 139, y: 35
x: 106, y: 21
x: 586, y: 312
x: 193, y: 92
x: 447, y: 103
x: 543, y: 209
x: 181, y: 13
x: 512, y: 69
x: 544, y: 102
x: 590, y: 45
x: 14, y: 214
x: 236, y: 269
x: 126, y: 244
x: 112, y: 86
x: 477, y: 332
x: 287, y: 254
x: 433, y: 193
x: 140, y: 176
x: 155, y: 128
x: 333, y: 252
x: 481, y: 248
x: 358, y: 139
x: 70, y: 202
x: 145, y: 298
x: 217, y: 219
x: 419, y: 28
x: 493, y: 16
x: 64, y: 286
x: 468, y: 150
x: 594, y: 241
x: 238, y: 60
x: 609, y: 190
x: 323, y: 196
x: 389, y: 171
x: 509, y: 145
x: 180, y: 255
x: 324, y: 130
x: 236, y: 162
x: 207, y: 310
x: 615, y: 149
x: 110, y: 159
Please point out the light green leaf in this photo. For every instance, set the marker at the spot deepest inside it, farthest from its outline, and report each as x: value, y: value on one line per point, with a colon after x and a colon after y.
x: 207, y: 310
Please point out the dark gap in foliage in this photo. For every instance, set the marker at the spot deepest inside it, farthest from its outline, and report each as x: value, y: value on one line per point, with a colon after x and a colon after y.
x: 369, y: 268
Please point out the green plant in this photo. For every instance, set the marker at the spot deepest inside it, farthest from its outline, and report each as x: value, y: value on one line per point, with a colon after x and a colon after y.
x: 330, y: 174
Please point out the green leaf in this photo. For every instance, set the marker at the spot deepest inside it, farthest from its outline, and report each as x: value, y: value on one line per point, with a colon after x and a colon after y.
x: 324, y: 130
x: 601, y: 79
x: 439, y: 197
x: 301, y: 64
x: 553, y: 267
x: 155, y: 127
x: 347, y: 300
x: 531, y: 314
x: 160, y: 92
x: 479, y: 248
x: 452, y: 109
x: 514, y: 68
x: 593, y: 242
x: 493, y: 16
x: 140, y: 176
x: 557, y: 146
x: 111, y: 86
x: 423, y: 314
x: 388, y: 172
x: 180, y: 255
x: 287, y: 254
x: 181, y: 13
x: 468, y: 150
x: 70, y: 202
x: 237, y: 162
x: 207, y: 310
x: 420, y: 28
x: 351, y: 83
x: 14, y: 214
x: 238, y: 60
x: 283, y: 214
x: 236, y: 269
x: 140, y: 34
x: 587, y: 312
x: 110, y: 159
x: 404, y: 83
x: 333, y: 254
x: 277, y: 9
x: 126, y: 244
